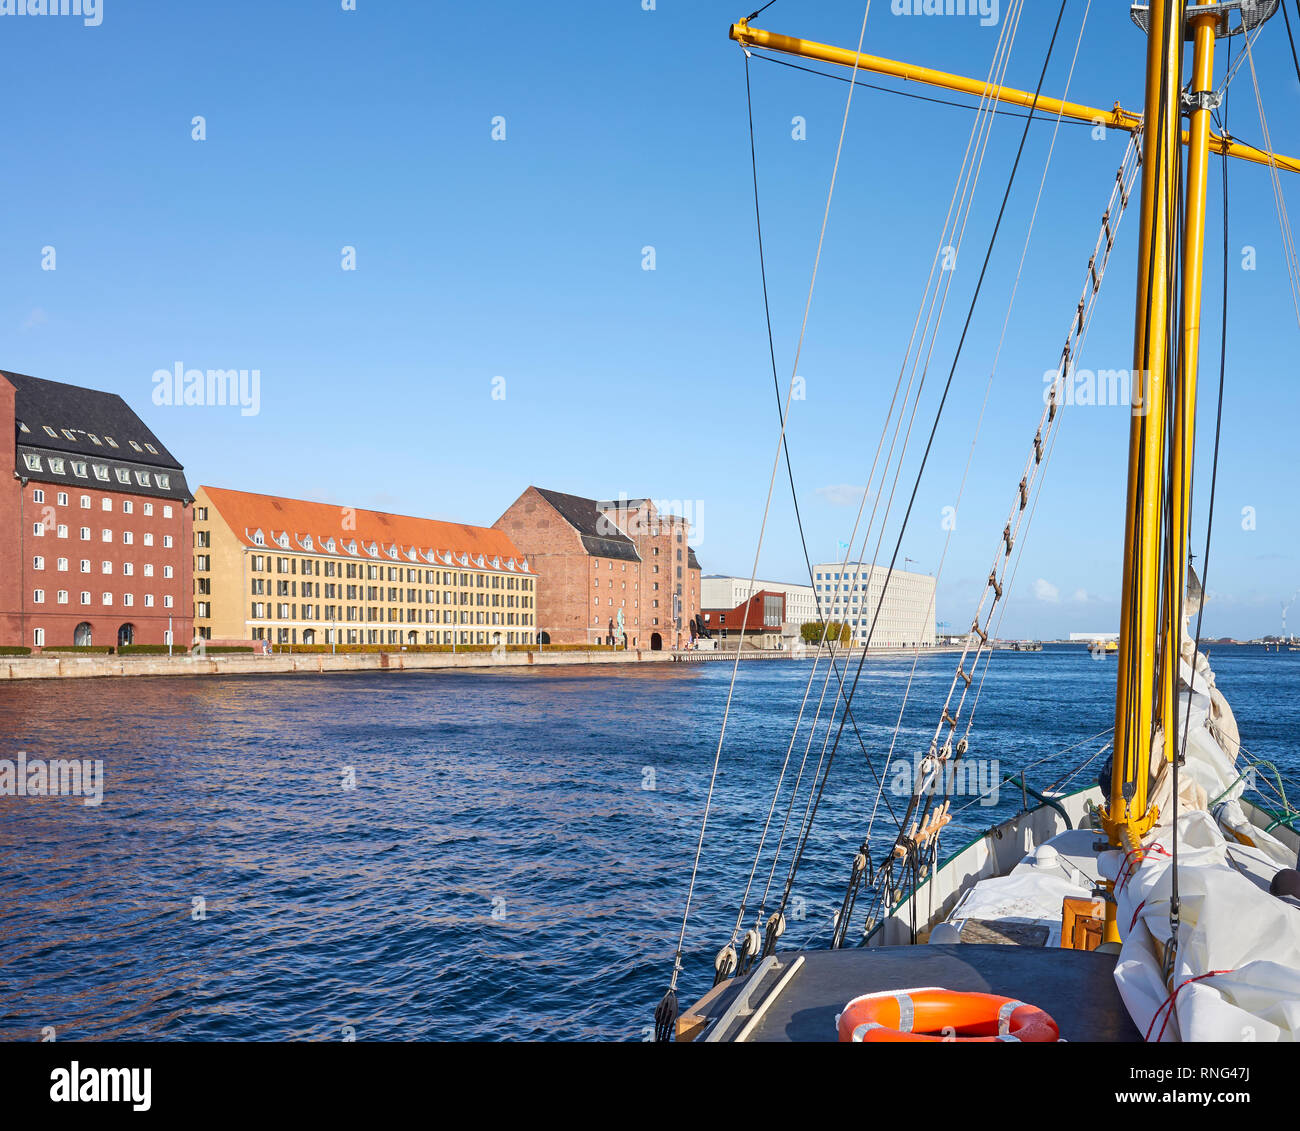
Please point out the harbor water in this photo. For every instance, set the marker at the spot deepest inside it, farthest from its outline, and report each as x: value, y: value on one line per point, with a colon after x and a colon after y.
x: 477, y: 855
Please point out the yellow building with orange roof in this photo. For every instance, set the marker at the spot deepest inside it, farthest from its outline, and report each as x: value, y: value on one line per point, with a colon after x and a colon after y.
x: 288, y: 571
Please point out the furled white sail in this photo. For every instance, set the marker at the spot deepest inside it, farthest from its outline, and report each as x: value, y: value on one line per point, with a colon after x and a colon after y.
x: 1236, y: 973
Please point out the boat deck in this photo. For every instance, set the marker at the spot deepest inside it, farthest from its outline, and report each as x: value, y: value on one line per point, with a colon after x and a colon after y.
x: 1076, y: 988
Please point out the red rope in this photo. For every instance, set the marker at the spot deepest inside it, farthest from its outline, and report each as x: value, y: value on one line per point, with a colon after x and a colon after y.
x: 1132, y: 859
x: 1169, y: 1003
x: 1136, y: 914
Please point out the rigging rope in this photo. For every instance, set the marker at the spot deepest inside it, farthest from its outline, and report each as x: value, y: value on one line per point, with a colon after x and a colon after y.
x: 981, y: 637
x: 933, y: 431
x: 666, y: 1012
x: 888, y: 760
x: 822, y: 619
x: 960, y: 206
x: 1284, y: 221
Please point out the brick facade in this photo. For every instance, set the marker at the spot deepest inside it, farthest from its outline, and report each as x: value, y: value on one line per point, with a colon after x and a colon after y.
x: 95, y: 524
x: 597, y: 560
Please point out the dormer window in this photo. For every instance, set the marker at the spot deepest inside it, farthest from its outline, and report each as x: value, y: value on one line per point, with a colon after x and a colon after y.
x: 283, y: 540
x: 259, y: 539
x: 307, y: 542
x: 142, y: 477
x: 56, y: 466
x: 101, y: 472
x: 79, y: 468
x: 33, y: 462
x: 123, y: 476
x: 164, y: 481
x: 329, y: 544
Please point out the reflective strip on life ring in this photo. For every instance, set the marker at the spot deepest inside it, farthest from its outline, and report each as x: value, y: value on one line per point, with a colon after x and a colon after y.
x: 944, y: 1016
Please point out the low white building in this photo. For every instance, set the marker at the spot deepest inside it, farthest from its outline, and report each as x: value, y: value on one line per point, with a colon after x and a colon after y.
x: 853, y: 594
x: 718, y: 592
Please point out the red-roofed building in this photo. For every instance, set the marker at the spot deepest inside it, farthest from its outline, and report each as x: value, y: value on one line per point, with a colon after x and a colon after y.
x: 759, y: 620
x: 290, y: 571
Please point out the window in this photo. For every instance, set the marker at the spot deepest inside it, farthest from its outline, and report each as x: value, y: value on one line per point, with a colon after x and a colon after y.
x: 38, y: 496
x: 62, y: 565
x: 127, y: 538
x: 107, y: 598
x: 123, y: 475
x: 106, y: 504
x: 148, y: 508
x: 38, y: 530
x: 62, y: 530
x: 38, y: 562
x: 69, y: 433
x: 128, y: 568
x: 167, y: 541
x: 38, y: 638
x: 106, y: 535
x: 38, y: 596
x: 94, y: 439
x: 110, y: 441
x: 128, y: 600
x: 56, y: 466
x: 101, y: 472
x: 167, y: 511
x: 85, y: 502
x: 105, y: 567
x: 63, y: 498
x: 63, y: 597
x: 33, y: 462
x: 136, y: 446
x: 79, y: 468
x: 85, y: 533
x: 50, y: 431
x: 85, y: 565
x: 127, y: 506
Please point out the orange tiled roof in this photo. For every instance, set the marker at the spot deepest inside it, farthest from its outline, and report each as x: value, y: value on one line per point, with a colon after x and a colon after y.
x: 362, y: 534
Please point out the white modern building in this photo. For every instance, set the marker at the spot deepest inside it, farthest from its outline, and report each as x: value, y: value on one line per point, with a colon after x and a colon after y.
x: 853, y: 594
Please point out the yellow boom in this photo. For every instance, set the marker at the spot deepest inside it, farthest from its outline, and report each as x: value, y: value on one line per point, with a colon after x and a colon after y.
x: 1117, y: 118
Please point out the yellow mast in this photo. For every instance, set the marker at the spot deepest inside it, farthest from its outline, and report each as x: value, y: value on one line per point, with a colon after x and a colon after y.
x: 1202, y: 99
x: 1129, y: 815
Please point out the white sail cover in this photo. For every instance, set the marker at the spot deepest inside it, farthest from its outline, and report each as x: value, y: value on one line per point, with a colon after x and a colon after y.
x: 1236, y: 975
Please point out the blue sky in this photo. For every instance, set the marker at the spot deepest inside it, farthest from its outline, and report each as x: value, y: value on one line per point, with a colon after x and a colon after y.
x: 522, y: 259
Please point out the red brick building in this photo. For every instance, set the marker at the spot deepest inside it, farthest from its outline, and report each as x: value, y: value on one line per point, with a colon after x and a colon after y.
x: 599, y: 560
x: 759, y: 620
x: 94, y: 523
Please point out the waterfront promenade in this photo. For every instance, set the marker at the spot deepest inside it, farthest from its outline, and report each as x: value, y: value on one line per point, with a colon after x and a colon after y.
x: 315, y: 663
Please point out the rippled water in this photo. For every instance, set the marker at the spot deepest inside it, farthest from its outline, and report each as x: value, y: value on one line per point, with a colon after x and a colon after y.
x: 501, y: 868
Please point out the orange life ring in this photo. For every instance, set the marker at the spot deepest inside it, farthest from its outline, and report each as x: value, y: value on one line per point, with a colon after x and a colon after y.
x: 939, y: 1016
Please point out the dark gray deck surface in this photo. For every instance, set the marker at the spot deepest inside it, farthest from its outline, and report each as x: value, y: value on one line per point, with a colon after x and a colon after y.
x: 1075, y: 987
